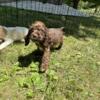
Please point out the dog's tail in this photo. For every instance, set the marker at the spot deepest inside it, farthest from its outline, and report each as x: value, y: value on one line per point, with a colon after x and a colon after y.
x: 59, y: 47
x: 62, y: 28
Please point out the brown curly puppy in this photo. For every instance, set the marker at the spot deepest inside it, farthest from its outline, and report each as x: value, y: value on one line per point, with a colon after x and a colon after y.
x: 46, y: 39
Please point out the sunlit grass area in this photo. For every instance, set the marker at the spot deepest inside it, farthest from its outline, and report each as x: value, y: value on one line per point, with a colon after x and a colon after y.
x: 73, y: 72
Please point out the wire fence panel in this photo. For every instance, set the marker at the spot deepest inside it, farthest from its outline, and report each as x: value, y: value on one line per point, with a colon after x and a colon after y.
x: 62, y: 9
x: 24, y: 12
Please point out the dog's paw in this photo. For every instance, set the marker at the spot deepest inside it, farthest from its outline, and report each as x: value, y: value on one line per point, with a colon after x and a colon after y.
x: 42, y: 70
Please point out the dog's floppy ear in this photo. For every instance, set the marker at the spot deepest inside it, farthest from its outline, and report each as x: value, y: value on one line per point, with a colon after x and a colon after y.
x: 27, y: 38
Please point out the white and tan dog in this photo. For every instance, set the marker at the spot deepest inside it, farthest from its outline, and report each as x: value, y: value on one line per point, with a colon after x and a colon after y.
x: 10, y: 34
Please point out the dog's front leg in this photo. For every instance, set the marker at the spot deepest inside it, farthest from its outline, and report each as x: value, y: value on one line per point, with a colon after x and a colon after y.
x: 45, y: 60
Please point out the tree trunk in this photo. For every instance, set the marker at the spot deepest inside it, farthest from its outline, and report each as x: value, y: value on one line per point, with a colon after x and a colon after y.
x: 58, y: 2
x: 75, y: 3
x: 96, y: 9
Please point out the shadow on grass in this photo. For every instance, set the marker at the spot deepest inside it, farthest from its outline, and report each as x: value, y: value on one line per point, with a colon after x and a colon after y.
x: 82, y: 27
x: 25, y: 61
x: 35, y: 56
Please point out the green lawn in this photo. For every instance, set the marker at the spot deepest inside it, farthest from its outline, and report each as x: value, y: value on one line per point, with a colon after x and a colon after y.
x: 74, y: 71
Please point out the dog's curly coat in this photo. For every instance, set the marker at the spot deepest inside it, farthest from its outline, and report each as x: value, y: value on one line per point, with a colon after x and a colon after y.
x: 45, y: 38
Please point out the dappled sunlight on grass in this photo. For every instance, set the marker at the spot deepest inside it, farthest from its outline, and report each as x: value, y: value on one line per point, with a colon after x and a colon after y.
x: 73, y: 72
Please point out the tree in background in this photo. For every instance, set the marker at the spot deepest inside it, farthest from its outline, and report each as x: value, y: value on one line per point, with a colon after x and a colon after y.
x: 72, y: 3
x: 95, y: 4
x: 90, y: 3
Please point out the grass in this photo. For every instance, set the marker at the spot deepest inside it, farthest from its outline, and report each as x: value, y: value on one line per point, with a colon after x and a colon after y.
x: 73, y: 72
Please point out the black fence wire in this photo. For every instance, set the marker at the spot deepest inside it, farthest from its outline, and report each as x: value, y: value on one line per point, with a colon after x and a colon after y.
x: 55, y: 13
